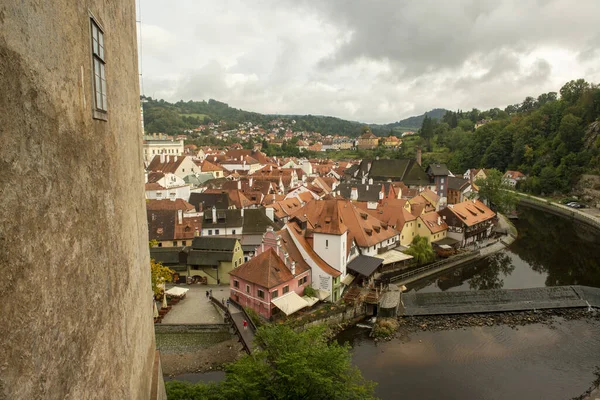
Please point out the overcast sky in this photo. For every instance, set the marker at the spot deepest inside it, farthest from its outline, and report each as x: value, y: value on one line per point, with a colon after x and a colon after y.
x: 369, y: 61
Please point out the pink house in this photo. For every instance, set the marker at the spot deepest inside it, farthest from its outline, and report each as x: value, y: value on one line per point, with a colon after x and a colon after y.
x: 274, y: 279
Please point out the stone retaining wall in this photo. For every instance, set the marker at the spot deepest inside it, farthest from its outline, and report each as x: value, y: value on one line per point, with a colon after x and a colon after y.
x: 349, y: 315
x: 190, y: 328
x: 560, y: 210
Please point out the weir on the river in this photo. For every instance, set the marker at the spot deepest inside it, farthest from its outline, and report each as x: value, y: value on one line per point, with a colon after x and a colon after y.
x: 499, y: 300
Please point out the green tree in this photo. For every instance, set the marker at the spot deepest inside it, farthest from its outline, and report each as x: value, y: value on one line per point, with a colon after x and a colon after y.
x: 496, y: 192
x: 290, y: 365
x: 573, y: 90
x: 159, y: 273
x: 421, y: 250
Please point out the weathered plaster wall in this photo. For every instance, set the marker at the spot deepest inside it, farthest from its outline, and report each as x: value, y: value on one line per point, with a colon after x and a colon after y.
x: 75, y: 297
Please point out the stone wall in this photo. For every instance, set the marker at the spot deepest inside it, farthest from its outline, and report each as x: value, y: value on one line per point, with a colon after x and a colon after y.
x: 560, y: 210
x: 75, y: 297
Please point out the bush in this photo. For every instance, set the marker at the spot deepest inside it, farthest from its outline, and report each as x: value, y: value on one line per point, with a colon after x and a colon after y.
x: 385, y: 327
x: 310, y: 292
x: 256, y: 319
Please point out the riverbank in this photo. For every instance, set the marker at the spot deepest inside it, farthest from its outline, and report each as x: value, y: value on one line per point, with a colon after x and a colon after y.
x: 196, y: 352
x: 484, y: 250
x: 559, y: 209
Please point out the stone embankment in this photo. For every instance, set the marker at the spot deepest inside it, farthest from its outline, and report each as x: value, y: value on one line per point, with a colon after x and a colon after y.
x: 559, y: 209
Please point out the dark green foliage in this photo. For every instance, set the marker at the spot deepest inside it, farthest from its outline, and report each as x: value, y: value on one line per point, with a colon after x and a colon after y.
x: 496, y: 192
x: 417, y: 121
x: 293, y: 365
x: 164, y: 117
x: 543, y: 138
x: 421, y: 250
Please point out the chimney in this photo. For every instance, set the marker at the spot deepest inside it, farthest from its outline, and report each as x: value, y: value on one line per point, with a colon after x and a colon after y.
x: 242, y: 212
x: 370, y: 181
x: 162, y: 158
x: 251, y: 181
x: 381, y: 193
x: 439, y: 220
x: 180, y: 217
x: 363, y: 180
x: 239, y: 185
x: 175, y: 159
x: 354, y: 194
x: 270, y: 211
x: 419, y: 155
x: 293, y: 268
x: 214, y: 215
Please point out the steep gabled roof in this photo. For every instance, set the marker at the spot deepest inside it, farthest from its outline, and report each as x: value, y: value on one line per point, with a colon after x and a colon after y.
x: 206, y: 201
x: 178, y: 204
x: 434, y: 222
x: 266, y: 269
x: 472, y: 212
x: 438, y: 169
x: 170, y: 164
x: 214, y: 243
x: 161, y: 225
x: 455, y: 183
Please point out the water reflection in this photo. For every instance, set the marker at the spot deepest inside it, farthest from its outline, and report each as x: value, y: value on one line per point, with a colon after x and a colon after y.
x: 498, y: 362
x: 549, y: 251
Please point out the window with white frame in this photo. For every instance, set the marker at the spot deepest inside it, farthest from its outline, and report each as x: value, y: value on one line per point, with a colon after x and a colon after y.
x: 99, y: 63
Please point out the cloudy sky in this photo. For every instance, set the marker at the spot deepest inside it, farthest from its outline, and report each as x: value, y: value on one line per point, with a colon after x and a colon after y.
x: 370, y: 61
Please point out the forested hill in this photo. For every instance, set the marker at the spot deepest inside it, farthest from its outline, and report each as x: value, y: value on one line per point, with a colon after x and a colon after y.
x: 174, y: 118
x: 553, y: 140
x: 416, y: 121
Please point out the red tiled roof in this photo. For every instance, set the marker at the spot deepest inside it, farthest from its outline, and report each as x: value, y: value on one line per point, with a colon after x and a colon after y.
x: 472, y: 212
x: 434, y: 222
x: 266, y: 269
x: 178, y: 204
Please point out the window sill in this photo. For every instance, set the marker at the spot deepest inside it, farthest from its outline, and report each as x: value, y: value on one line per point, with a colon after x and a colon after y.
x: 100, y: 115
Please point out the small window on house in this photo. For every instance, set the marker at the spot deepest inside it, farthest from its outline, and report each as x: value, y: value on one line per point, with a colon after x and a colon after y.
x: 300, y: 282
x: 274, y: 294
x: 419, y: 225
x: 285, y: 289
x: 209, y: 232
x: 183, y: 243
x: 327, y: 244
x: 216, y: 231
x: 159, y: 244
x: 247, y: 288
x: 442, y: 187
x: 233, y: 231
x: 236, y: 284
x: 98, y: 66
x: 174, y: 243
x: 261, y: 294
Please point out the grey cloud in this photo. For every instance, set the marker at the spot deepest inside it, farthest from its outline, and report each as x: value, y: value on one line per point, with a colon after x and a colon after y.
x: 374, y: 61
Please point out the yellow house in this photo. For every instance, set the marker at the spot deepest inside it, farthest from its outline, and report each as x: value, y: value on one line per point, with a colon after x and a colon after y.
x: 432, y: 226
x: 213, y: 258
x: 367, y: 141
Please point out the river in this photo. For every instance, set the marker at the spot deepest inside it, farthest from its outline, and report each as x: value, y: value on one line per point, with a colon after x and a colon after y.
x: 530, y: 362
x: 549, y: 251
